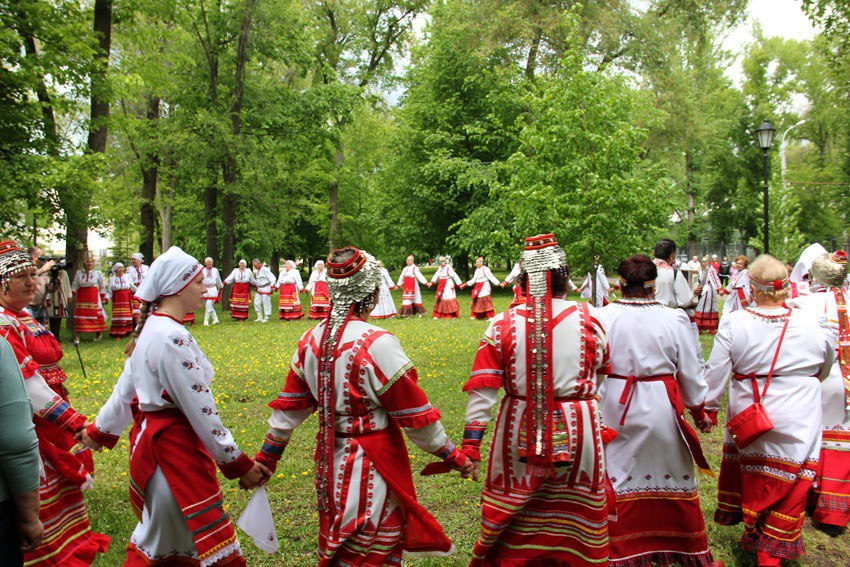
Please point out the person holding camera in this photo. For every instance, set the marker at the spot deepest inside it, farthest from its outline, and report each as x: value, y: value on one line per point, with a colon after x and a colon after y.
x: 38, y: 307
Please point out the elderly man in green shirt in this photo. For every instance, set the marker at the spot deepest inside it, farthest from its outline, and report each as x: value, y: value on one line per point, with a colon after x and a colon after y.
x: 20, y: 527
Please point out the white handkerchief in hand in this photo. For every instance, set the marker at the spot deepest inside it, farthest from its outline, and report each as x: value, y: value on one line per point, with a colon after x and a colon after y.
x: 257, y: 522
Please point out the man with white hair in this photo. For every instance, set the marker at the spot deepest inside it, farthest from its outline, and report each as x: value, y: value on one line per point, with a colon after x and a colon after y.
x: 263, y: 299
x: 212, y: 282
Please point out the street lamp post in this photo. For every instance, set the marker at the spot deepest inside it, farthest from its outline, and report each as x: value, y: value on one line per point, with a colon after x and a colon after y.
x: 764, y: 136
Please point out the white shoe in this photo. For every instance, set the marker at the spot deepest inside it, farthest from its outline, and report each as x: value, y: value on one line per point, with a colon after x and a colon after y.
x: 258, y: 320
x: 206, y: 323
x: 215, y: 321
x: 266, y: 320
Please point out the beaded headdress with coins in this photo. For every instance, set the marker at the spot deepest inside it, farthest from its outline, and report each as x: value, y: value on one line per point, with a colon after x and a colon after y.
x: 353, y: 278
x: 13, y: 260
x: 830, y: 269
x: 540, y: 256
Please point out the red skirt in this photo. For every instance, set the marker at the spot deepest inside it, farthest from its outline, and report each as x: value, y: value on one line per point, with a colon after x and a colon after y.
x: 830, y: 496
x: 482, y: 307
x: 288, y: 304
x: 168, y: 441
x: 446, y: 309
x: 321, y: 303
x: 122, y: 313
x: 707, y: 322
x: 88, y: 314
x: 68, y: 538
x: 240, y: 301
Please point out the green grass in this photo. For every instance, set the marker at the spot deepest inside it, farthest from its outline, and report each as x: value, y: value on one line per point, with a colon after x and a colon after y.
x: 251, y: 361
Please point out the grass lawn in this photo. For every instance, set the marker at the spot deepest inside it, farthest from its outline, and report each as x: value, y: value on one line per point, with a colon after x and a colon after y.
x: 251, y: 361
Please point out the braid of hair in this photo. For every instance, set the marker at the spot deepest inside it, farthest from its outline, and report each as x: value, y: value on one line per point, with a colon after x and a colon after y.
x: 144, y: 312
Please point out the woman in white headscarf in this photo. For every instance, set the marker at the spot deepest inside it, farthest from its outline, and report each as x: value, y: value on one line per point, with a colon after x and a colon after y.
x: 180, y: 508
x: 240, y: 298
x: 121, y: 288
x: 290, y: 284
x: 317, y: 285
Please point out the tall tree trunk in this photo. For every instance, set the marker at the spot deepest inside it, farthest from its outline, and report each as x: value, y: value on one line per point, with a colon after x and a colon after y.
x: 150, y: 176
x: 333, y: 193
x: 691, y: 197
x: 230, y: 171
x: 210, y: 216
x: 531, y: 62
x: 77, y: 211
x: 166, y: 205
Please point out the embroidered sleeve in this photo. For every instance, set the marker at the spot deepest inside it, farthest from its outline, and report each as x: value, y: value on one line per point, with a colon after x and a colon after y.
x: 182, y: 375
x: 281, y: 426
x: 488, y: 368
x: 478, y: 412
x: 719, y: 366
x: 116, y: 413
x: 49, y: 406
x: 296, y: 394
x: 432, y: 439
x: 230, y: 278
x: 15, y: 337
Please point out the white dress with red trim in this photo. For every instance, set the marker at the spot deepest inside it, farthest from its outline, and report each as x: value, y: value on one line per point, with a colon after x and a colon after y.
x: 121, y: 293
x: 446, y: 306
x: 212, y: 283
x: 182, y: 518
x: 289, y: 305
x: 482, y: 303
x: 555, y: 520
x: 740, y: 294
x: 89, y: 291
x: 765, y: 483
x: 68, y: 540
x: 707, y: 314
x: 411, y: 296
x: 320, y: 302
x: 240, y: 296
x: 137, y: 275
x: 654, y: 376
x: 384, y: 306
x: 368, y: 514
x: 831, y: 491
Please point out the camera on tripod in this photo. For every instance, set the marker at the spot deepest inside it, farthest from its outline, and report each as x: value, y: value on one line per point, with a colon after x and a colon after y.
x: 59, y: 264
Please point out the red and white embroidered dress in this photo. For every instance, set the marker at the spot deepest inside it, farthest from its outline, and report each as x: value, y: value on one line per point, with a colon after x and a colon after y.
x: 89, y: 291
x: 384, y: 306
x: 654, y: 376
x: 765, y: 483
x: 121, y: 291
x: 446, y: 306
x: 482, y: 303
x: 411, y: 296
x: 290, y: 284
x: 68, y: 540
x: 320, y: 302
x: 368, y: 514
x: 740, y: 293
x: 180, y: 508
x: 707, y: 314
x: 555, y: 520
x: 831, y: 491
x: 240, y: 297
x: 137, y: 275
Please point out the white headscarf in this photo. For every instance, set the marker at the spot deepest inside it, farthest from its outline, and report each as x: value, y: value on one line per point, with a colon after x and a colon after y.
x: 804, y: 264
x: 169, y: 274
x: 116, y: 265
x: 138, y: 256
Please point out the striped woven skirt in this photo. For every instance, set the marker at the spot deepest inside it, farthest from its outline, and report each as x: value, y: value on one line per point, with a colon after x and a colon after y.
x: 288, y: 303
x: 122, y: 313
x: 240, y: 301
x: 88, y: 315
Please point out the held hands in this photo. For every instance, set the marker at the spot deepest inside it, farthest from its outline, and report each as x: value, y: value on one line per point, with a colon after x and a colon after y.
x: 257, y: 476
x: 706, y: 425
x: 82, y: 437
x: 698, y: 290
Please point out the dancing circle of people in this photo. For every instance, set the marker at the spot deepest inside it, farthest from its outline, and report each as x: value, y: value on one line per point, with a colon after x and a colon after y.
x: 592, y: 459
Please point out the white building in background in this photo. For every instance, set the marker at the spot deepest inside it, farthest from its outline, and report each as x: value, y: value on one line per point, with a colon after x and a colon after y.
x: 100, y: 247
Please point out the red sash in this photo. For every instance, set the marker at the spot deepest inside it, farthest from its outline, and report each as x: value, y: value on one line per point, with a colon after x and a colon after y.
x: 518, y: 294
x: 843, y: 342
x: 169, y: 441
x: 388, y: 452
x: 441, y: 287
x: 675, y: 397
x: 476, y: 290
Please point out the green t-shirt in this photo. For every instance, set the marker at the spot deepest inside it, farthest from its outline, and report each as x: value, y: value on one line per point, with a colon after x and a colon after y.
x: 18, y: 443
